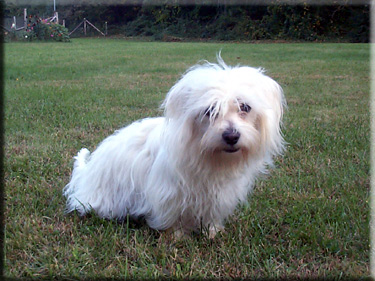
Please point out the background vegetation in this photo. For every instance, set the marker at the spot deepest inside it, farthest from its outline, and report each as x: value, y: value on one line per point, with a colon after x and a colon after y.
x: 169, y: 22
x: 38, y: 29
x: 308, y: 218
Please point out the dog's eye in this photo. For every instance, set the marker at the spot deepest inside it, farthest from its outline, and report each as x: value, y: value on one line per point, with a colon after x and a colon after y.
x: 245, y: 107
x: 210, y: 112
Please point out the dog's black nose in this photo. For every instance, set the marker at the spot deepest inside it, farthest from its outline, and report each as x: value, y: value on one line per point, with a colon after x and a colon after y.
x: 231, y: 137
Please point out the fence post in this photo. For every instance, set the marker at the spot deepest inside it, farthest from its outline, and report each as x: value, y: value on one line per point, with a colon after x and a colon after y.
x: 14, y: 24
x: 84, y: 26
x: 106, y: 28
x: 25, y: 18
x: 57, y: 17
x: 63, y: 23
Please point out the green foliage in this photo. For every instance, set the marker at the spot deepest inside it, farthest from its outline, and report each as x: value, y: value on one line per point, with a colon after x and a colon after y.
x: 350, y: 23
x: 38, y: 29
x: 58, y: 33
x: 10, y: 36
x: 303, y: 22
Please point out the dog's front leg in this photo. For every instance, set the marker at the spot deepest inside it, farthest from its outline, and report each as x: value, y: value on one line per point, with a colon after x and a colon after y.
x: 178, y: 232
x: 214, y: 229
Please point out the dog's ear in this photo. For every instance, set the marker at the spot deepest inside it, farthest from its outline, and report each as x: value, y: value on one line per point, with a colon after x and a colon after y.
x: 193, y: 83
x: 275, y: 97
x: 270, y: 119
x: 175, y: 100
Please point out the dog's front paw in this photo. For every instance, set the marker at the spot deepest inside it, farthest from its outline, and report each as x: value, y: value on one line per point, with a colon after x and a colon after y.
x: 178, y: 233
x: 214, y: 229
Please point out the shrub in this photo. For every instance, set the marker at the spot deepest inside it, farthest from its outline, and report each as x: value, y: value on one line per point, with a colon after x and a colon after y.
x: 38, y: 29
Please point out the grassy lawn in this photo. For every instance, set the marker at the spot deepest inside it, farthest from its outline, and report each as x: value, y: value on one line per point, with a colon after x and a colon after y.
x: 308, y: 218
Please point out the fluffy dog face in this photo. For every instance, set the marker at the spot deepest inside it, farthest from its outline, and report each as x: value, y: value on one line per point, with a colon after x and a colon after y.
x: 226, y: 114
x: 228, y: 128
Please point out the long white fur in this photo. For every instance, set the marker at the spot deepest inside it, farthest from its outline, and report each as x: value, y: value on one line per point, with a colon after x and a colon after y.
x: 174, y: 170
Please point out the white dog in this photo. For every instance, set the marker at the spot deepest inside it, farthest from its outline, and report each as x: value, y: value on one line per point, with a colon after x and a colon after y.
x: 190, y: 168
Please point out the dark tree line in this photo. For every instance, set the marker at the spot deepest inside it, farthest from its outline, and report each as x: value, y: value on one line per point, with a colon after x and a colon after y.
x: 221, y: 22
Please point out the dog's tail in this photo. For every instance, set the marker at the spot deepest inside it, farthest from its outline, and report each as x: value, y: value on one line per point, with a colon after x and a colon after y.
x: 81, y: 158
x: 79, y: 164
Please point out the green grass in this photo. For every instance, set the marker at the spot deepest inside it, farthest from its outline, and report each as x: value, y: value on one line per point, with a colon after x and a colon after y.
x: 308, y: 218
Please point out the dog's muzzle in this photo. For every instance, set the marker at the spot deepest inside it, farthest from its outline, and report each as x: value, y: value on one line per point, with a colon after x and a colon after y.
x: 231, y: 138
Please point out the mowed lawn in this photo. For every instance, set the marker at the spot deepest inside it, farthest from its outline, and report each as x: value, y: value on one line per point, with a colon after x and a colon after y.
x: 308, y: 218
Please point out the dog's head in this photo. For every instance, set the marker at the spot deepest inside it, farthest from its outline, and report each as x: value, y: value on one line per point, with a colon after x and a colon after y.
x: 226, y: 113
